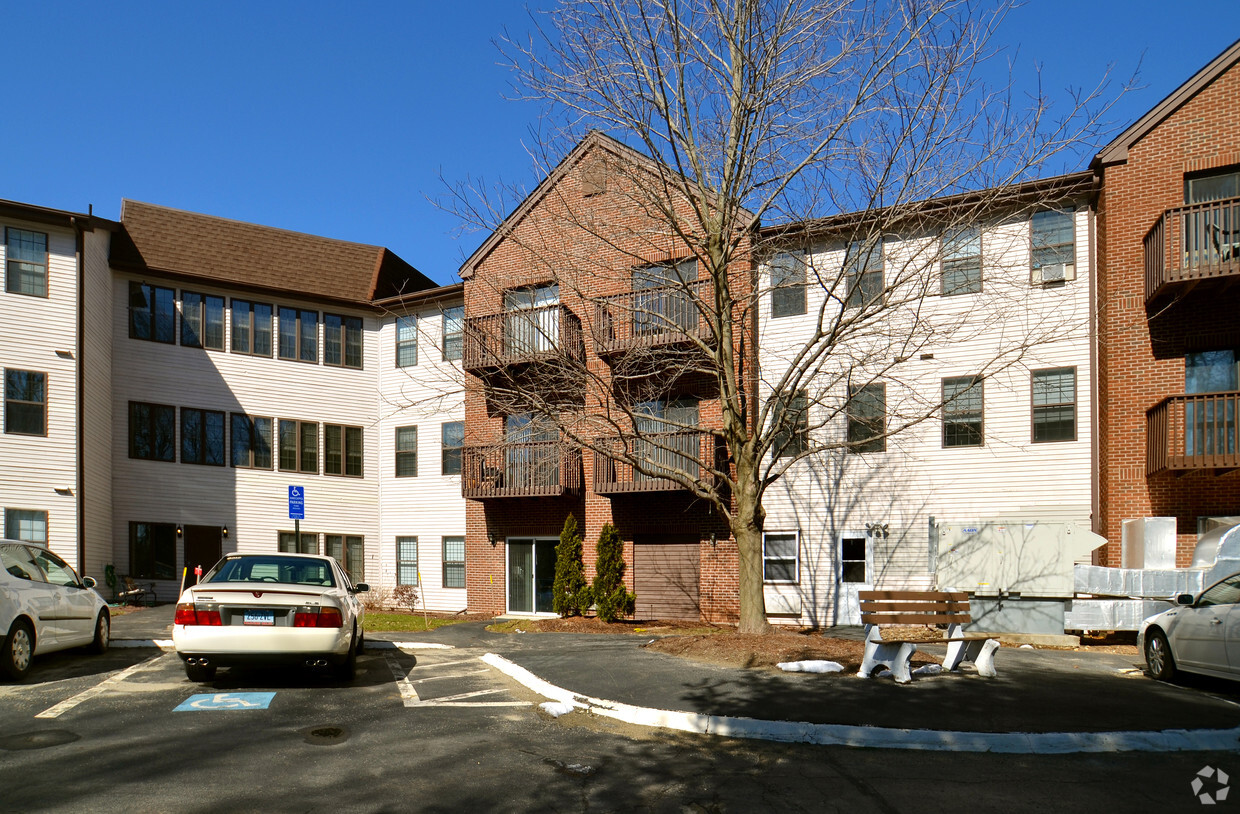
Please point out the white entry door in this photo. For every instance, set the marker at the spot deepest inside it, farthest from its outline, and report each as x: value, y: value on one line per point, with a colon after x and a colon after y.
x: 854, y: 572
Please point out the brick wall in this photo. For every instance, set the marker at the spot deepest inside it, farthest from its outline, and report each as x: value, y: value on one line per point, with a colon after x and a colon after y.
x: 1142, y: 350
x: 589, y: 245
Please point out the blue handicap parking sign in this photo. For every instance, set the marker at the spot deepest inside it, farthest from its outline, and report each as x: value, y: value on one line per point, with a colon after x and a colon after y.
x: 296, y: 503
x: 227, y: 700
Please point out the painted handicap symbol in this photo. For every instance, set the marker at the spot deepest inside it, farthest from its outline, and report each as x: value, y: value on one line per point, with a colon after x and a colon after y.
x: 226, y: 700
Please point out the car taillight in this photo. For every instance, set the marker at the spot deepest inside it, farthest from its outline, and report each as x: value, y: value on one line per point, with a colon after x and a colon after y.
x: 187, y: 614
x: 318, y: 617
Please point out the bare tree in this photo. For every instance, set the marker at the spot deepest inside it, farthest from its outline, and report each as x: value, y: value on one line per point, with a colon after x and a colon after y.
x: 842, y: 123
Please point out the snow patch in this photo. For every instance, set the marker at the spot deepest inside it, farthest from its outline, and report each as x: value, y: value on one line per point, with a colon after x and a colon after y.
x: 928, y: 670
x: 810, y: 666
x: 556, y: 708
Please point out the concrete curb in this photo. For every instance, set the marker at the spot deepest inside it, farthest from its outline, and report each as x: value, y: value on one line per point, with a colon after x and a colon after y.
x: 1026, y: 743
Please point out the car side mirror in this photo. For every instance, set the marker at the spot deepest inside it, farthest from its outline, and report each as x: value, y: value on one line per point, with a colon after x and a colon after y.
x: 361, y: 588
x: 89, y: 582
x: 1184, y: 599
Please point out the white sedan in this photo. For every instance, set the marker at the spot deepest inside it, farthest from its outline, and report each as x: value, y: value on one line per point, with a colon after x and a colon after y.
x: 270, y: 609
x: 45, y: 607
x: 1200, y: 635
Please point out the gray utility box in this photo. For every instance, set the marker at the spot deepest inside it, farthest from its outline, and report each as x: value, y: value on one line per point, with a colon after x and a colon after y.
x: 1001, y: 557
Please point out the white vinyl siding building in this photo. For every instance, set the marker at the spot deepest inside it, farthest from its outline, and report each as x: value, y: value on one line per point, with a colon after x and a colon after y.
x: 862, y: 518
x: 419, y: 389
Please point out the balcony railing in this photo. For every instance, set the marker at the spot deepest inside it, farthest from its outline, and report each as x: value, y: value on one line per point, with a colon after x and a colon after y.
x: 532, y: 469
x: 1185, y: 433
x: 1191, y: 244
x: 651, y: 317
x: 686, y: 452
x: 547, y: 333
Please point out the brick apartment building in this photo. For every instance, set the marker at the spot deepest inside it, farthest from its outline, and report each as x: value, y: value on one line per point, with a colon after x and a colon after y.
x: 580, y: 307
x: 1169, y: 258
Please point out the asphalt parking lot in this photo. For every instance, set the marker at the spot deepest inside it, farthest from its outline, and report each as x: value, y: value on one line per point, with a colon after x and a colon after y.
x: 437, y: 729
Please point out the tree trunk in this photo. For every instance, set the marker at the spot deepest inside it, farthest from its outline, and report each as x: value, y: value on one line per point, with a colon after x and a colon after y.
x: 747, y: 529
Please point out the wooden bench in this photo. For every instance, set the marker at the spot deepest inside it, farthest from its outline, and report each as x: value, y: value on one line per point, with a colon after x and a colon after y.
x: 921, y: 608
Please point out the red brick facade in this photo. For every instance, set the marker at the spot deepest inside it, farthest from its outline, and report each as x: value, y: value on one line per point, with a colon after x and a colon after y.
x: 588, y: 242
x: 1142, y: 344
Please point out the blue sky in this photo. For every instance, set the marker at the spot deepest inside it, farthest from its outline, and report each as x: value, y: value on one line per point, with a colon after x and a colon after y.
x: 339, y: 119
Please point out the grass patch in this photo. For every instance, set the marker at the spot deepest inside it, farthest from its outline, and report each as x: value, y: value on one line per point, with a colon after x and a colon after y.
x: 381, y: 622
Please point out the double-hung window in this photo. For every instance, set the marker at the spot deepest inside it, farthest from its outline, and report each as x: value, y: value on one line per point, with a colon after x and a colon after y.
x: 342, y: 450
x: 251, y: 442
x: 454, y: 562
x: 202, y: 321
x: 962, y: 411
x: 406, y: 560
x: 867, y: 418
x: 787, y: 285
x: 342, y: 341
x: 251, y: 328
x: 864, y: 273
x: 780, y: 557
x: 1053, y: 246
x: 406, y: 452
x: 453, y: 438
x: 26, y: 524
x: 309, y: 543
x: 791, y: 422
x: 299, y: 446
x: 453, y: 332
x: 202, y: 437
x: 1054, y: 404
x: 152, y: 313
x: 25, y: 402
x: 962, y: 262
x: 25, y: 255
x: 299, y: 334
x: 406, y: 341
x: 152, y: 431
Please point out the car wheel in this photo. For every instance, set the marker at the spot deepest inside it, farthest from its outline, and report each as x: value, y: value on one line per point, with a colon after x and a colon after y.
x: 1158, y: 656
x: 347, y: 669
x: 103, y: 633
x: 199, y: 674
x: 361, y: 643
x: 17, y: 650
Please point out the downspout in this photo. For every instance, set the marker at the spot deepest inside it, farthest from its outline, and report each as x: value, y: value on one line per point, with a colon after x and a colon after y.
x: 80, y: 252
x: 1095, y: 418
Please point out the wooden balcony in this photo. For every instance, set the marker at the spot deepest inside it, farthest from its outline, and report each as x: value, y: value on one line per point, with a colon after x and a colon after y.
x: 652, y: 317
x: 687, y: 452
x: 1192, y: 245
x: 551, y: 333
x: 533, y: 469
x: 1197, y: 432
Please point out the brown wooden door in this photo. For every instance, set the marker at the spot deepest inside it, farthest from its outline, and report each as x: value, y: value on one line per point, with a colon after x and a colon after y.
x: 202, y: 547
x: 666, y: 573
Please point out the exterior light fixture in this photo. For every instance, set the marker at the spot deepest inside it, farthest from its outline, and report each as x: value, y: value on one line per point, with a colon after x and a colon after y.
x: 713, y: 541
x: 224, y: 531
x: 179, y: 530
x: 491, y: 537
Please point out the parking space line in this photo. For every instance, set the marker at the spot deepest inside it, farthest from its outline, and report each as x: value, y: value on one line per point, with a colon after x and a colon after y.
x: 452, y: 675
x: 69, y: 703
x: 447, y: 699
x: 408, y: 695
x: 426, y: 665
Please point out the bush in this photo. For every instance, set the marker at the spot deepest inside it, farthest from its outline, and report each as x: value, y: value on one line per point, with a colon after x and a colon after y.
x: 611, y: 599
x: 570, y: 594
x: 376, y: 599
x: 405, y: 597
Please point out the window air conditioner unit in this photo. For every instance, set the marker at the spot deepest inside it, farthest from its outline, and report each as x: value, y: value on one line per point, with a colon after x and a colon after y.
x: 1054, y: 273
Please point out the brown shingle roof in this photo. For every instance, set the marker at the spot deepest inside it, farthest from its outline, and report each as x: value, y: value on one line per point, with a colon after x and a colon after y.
x: 159, y: 239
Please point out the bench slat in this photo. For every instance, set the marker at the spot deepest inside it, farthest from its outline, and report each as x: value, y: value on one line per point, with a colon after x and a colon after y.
x: 903, y: 606
x: 913, y: 618
x: 925, y: 596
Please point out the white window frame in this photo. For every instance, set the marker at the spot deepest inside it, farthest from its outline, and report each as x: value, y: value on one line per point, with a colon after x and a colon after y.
x: 796, y: 558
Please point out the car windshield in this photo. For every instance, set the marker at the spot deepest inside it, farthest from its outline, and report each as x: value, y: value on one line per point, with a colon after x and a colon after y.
x: 285, y: 570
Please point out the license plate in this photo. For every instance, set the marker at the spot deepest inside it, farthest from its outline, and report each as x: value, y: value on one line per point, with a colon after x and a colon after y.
x: 259, y: 617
